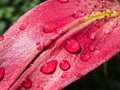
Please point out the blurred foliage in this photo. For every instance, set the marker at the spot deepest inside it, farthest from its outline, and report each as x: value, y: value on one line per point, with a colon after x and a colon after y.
x: 11, y: 10
x: 106, y: 77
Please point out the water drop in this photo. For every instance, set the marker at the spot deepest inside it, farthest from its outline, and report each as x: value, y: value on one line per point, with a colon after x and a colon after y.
x: 78, y: 75
x: 49, y: 67
x: 27, y: 84
x: 78, y: 14
x: 107, y: 31
x: 92, y: 36
x: 63, y: 1
x: 39, y: 47
x: 60, y: 88
x: 22, y: 27
x: 2, y: 73
x: 85, y: 57
x: 49, y: 28
x: 63, y: 75
x: 41, y: 88
x: 92, y: 47
x: 64, y: 65
x: 72, y: 46
x: 37, y: 43
x: 1, y: 38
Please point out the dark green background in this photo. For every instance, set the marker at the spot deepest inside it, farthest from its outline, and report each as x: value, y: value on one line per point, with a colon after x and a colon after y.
x: 106, y: 77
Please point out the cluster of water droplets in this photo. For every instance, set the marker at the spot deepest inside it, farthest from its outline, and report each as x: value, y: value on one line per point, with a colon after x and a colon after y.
x: 72, y: 46
x: 50, y: 66
x: 39, y: 47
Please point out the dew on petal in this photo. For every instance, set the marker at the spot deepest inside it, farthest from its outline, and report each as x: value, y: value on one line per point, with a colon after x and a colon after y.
x: 60, y: 88
x: 37, y: 43
x: 49, y: 28
x: 2, y: 73
x: 22, y: 27
x: 84, y: 58
x: 49, y: 67
x: 72, y: 46
x: 107, y: 31
x: 39, y: 47
x: 27, y: 84
x: 41, y: 88
x: 92, y: 47
x: 92, y: 36
x: 78, y: 14
x: 63, y: 1
x: 78, y: 75
x: 64, y: 65
x: 64, y: 75
x: 1, y: 38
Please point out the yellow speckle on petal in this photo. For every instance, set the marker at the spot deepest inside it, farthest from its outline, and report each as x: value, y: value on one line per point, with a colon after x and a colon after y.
x: 100, y: 15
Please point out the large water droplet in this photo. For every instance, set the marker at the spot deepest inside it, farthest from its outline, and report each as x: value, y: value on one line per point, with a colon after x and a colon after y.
x: 78, y: 14
x: 64, y: 65
x: 85, y: 57
x: 49, y: 67
x: 49, y: 28
x: 2, y: 73
x: 27, y: 84
x: 1, y: 38
x: 72, y: 46
x: 63, y: 1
